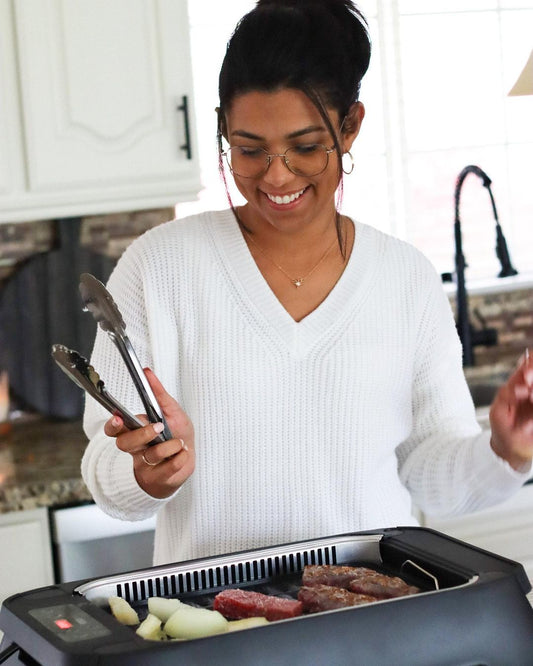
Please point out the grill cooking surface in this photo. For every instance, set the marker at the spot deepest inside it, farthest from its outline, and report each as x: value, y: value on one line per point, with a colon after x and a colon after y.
x: 274, y: 573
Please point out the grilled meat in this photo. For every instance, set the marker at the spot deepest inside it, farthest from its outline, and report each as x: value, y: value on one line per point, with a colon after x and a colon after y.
x: 382, y: 586
x: 337, y: 576
x: 327, y: 597
x: 237, y: 604
x: 357, y: 579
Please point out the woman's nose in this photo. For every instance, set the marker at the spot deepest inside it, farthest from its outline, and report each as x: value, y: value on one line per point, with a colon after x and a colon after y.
x: 277, y: 172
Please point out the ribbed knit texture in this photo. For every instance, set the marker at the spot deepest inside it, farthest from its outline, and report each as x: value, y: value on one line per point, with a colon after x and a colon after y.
x: 333, y: 424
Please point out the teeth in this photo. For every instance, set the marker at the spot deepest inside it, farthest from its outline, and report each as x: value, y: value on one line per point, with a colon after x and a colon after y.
x: 287, y: 198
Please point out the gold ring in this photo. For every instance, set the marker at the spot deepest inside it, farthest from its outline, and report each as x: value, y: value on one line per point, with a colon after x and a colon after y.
x: 148, y: 462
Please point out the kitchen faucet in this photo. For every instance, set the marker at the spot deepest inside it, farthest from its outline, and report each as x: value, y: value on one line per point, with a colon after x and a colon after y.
x: 469, y: 336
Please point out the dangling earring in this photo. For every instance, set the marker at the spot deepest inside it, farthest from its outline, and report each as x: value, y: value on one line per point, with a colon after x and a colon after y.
x: 352, y: 164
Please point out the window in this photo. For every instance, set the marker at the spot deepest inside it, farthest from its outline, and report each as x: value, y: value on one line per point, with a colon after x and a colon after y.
x: 436, y: 101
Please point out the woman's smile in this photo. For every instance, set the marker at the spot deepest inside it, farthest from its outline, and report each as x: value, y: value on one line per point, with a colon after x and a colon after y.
x: 285, y: 199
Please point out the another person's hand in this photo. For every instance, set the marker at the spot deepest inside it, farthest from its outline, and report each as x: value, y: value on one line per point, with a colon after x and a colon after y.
x: 511, y: 417
x: 162, y: 468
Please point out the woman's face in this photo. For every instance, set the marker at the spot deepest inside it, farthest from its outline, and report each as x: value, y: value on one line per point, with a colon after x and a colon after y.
x: 276, y: 121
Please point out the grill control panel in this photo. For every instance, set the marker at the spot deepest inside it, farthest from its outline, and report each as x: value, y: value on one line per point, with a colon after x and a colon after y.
x: 69, y: 623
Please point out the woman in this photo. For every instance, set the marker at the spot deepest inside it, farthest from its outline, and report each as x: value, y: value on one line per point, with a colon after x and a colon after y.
x: 316, y: 357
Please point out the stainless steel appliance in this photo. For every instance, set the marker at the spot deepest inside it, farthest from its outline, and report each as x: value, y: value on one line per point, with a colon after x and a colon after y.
x: 87, y: 542
x: 472, y: 609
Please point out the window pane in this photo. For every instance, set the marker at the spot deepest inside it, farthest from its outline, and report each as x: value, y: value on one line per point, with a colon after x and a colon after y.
x: 431, y: 207
x: 223, y: 15
x: 516, y: 4
x: 517, y: 42
x: 371, y: 139
x: 438, y: 6
x: 520, y: 160
x: 368, y: 7
x: 365, y: 193
x: 452, y: 86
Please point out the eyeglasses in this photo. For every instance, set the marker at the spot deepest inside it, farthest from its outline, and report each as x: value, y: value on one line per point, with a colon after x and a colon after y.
x: 305, y: 160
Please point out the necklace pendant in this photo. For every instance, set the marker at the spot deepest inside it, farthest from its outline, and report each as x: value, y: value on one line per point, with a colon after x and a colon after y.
x: 298, y: 282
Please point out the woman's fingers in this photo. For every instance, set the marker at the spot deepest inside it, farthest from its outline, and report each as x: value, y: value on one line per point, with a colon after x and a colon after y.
x: 511, y: 416
x: 160, y: 468
x: 177, y: 419
x: 155, y: 455
x: 519, y: 386
x: 132, y: 441
x: 527, y: 372
x: 114, y: 426
x: 165, y: 400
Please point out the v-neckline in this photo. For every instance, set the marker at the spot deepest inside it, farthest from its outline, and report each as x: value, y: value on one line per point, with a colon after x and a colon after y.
x: 265, y: 308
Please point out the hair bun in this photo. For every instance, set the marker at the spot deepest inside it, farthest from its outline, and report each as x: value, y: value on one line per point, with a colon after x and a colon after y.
x: 340, y: 5
x: 303, y: 3
x: 337, y: 8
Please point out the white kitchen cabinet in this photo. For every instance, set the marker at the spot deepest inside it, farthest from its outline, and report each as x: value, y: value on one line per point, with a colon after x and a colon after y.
x: 96, y: 107
x: 11, y: 147
x: 26, y: 552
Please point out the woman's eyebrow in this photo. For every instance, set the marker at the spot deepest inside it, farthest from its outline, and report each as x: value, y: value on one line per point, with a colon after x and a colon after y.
x: 306, y: 130
x: 293, y: 135
x: 247, y: 135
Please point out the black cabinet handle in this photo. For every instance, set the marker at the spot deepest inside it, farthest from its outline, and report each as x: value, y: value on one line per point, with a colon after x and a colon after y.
x: 184, y: 107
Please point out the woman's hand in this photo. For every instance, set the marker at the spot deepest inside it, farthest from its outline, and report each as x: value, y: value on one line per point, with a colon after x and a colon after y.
x: 511, y: 417
x: 162, y: 468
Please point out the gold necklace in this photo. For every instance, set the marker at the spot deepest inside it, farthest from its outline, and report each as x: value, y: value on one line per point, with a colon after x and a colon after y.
x: 297, y: 282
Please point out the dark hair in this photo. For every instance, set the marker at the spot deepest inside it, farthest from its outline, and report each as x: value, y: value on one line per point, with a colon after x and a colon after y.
x: 320, y: 47
x: 311, y: 45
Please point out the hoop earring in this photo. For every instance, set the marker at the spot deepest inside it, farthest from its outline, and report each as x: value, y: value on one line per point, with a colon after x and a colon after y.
x: 352, y: 164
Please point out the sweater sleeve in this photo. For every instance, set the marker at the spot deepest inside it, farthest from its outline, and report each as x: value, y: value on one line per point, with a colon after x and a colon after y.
x: 447, y: 463
x: 107, y: 471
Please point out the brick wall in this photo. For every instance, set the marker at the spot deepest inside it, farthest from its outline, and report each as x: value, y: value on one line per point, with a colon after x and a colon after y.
x: 106, y: 234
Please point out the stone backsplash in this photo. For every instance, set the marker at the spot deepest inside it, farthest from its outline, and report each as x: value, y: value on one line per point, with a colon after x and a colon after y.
x: 509, y: 312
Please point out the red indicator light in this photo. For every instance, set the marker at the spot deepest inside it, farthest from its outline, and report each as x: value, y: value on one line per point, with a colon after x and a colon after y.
x: 63, y: 624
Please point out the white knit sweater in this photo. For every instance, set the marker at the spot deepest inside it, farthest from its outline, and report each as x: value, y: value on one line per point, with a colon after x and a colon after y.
x: 333, y: 424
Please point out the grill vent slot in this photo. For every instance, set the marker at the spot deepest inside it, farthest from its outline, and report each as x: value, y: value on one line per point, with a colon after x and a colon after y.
x: 211, y: 578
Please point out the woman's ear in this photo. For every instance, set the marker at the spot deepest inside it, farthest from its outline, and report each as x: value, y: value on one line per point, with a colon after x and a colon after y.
x: 352, y: 124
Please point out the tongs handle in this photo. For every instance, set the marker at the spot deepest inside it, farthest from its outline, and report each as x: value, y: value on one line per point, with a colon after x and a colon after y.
x: 99, y: 302
x: 144, y: 389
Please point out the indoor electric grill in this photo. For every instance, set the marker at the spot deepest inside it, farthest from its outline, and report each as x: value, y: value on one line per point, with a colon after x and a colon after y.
x: 472, y: 609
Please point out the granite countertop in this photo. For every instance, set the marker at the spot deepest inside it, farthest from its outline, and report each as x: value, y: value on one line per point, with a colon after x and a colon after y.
x: 40, y: 464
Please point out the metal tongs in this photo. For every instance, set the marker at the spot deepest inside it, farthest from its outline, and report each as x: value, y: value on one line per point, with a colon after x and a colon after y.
x: 78, y: 368
x: 99, y: 302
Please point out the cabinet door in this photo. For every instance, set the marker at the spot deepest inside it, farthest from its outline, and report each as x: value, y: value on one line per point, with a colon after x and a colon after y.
x: 11, y: 148
x: 102, y: 84
x: 26, y: 552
